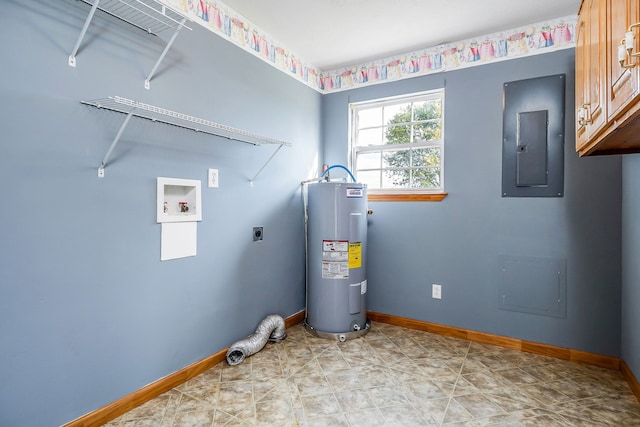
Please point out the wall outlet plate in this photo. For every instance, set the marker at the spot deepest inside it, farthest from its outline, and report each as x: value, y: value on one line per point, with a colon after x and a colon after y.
x: 436, y: 291
x: 212, y: 178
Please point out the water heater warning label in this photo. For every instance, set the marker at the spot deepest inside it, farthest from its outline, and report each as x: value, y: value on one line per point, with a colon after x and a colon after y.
x: 335, y: 259
x: 355, y: 255
x: 335, y: 246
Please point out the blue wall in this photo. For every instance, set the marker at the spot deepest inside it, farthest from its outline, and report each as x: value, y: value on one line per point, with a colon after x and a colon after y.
x: 88, y: 312
x: 457, y: 242
x: 630, y: 262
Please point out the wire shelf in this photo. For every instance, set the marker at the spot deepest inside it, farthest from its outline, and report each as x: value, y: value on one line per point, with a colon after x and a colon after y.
x: 146, y: 111
x: 139, y: 109
x: 148, y: 15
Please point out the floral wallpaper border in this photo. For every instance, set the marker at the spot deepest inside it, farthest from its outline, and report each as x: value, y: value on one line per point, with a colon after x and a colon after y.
x: 528, y: 40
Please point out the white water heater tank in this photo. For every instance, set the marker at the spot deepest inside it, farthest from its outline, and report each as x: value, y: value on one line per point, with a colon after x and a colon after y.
x: 336, y: 250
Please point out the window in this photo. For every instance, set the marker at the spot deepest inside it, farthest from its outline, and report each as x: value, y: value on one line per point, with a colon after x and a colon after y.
x: 397, y: 144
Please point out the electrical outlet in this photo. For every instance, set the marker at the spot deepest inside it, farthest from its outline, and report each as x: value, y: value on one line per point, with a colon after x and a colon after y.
x: 258, y: 234
x: 213, y: 178
x: 436, y: 291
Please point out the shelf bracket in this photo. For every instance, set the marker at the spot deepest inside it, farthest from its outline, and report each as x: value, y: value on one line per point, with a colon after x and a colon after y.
x: 147, y: 82
x: 265, y: 165
x: 114, y: 143
x: 72, y: 56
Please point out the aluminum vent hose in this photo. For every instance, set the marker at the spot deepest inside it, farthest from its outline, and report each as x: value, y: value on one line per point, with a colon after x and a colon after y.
x: 270, y: 329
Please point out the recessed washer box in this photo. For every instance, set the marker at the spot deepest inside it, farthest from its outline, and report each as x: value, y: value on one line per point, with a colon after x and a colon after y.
x: 179, y: 200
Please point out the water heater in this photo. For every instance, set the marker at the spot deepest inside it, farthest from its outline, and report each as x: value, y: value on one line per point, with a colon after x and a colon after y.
x: 336, y: 260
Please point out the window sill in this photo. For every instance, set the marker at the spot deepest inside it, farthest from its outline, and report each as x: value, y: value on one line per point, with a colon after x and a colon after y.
x: 407, y: 197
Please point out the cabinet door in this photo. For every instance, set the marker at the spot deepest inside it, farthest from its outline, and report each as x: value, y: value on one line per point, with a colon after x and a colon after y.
x: 590, y: 71
x: 582, y: 80
x: 596, y: 105
x: 623, y: 82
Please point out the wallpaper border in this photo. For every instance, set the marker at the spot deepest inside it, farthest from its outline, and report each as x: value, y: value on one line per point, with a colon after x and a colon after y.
x: 528, y: 40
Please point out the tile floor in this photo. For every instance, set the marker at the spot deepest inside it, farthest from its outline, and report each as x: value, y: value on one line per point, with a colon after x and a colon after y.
x: 393, y: 377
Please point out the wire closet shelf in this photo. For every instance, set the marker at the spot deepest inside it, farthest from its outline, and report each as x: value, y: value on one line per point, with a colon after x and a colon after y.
x: 148, y: 15
x: 162, y: 115
x: 151, y: 16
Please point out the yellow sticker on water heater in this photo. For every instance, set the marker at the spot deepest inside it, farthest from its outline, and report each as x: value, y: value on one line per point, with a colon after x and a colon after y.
x: 355, y: 254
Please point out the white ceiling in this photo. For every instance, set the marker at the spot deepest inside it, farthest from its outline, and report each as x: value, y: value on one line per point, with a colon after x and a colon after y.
x: 331, y: 34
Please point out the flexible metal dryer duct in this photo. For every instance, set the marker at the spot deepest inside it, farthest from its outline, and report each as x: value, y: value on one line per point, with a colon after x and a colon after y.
x: 270, y: 329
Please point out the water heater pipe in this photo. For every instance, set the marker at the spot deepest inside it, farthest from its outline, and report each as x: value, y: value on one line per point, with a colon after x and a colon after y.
x: 270, y: 329
x: 341, y: 167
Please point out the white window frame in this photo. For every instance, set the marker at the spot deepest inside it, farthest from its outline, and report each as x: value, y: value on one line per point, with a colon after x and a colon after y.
x: 355, y: 107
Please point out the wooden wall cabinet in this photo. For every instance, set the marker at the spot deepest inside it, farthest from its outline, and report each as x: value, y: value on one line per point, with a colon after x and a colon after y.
x: 607, y: 93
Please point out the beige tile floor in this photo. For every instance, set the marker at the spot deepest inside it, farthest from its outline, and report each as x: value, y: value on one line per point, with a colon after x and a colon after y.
x: 393, y: 377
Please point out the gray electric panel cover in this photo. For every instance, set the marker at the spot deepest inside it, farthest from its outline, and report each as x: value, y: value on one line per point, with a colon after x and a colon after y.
x: 533, y: 285
x: 533, y: 137
x: 336, y: 251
